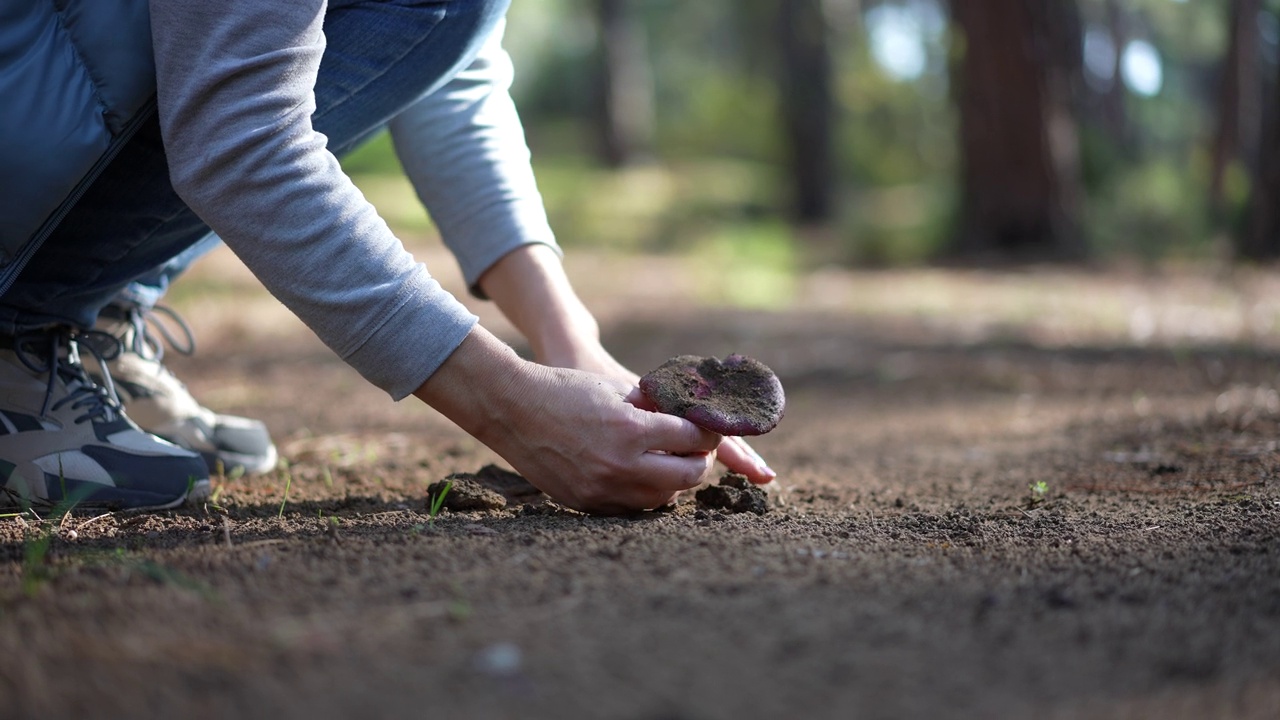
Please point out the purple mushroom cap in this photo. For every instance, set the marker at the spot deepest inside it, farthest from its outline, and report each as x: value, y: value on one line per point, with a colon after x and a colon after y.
x: 737, y: 396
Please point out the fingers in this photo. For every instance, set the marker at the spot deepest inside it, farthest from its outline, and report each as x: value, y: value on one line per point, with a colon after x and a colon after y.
x: 640, y: 400
x: 677, y: 436
x: 654, y: 480
x: 647, y: 500
x: 672, y: 473
x: 738, y: 456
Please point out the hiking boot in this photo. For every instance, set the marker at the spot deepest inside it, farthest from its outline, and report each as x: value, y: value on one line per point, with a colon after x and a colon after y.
x: 65, y: 440
x: 161, y: 404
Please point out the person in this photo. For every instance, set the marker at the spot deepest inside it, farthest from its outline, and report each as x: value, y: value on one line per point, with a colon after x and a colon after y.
x: 132, y: 129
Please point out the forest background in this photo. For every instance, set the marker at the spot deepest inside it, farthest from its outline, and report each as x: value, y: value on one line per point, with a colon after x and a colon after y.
x: 774, y: 136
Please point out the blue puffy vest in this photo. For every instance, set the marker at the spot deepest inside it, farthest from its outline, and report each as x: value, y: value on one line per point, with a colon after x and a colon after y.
x: 76, y: 79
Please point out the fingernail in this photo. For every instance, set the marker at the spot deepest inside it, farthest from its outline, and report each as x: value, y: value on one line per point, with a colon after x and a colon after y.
x: 767, y: 471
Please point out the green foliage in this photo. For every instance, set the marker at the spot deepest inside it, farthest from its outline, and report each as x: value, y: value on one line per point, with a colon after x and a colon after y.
x: 1152, y: 211
x: 437, y: 500
x: 719, y: 159
x: 898, y: 226
x: 893, y: 132
x: 652, y: 207
x: 288, y: 482
x: 755, y: 265
x: 1039, y: 493
x: 35, y: 563
x: 35, y: 547
x: 376, y: 156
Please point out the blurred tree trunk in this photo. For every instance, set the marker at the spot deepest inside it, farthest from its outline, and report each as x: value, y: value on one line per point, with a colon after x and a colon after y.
x: 1239, y: 103
x: 807, y: 107
x: 1016, y: 83
x: 624, y: 86
x: 1261, y: 238
x: 1113, y: 101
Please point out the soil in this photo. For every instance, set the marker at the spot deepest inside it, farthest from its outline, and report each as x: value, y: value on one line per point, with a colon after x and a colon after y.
x: 491, y: 488
x: 739, y: 396
x: 734, y: 494
x: 992, y: 510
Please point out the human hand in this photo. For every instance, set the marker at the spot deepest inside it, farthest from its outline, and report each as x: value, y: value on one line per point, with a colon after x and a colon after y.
x: 734, y: 452
x: 533, y: 291
x: 572, y: 434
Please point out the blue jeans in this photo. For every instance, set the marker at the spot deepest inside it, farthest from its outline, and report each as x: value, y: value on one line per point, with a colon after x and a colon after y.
x: 379, y: 58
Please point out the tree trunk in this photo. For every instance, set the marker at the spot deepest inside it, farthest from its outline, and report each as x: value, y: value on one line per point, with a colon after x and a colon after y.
x: 1114, y: 112
x: 1261, y: 238
x: 624, y: 86
x: 807, y: 107
x: 1239, y: 104
x: 1015, y: 84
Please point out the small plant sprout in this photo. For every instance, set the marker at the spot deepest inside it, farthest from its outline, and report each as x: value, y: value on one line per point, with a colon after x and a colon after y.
x: 35, y: 547
x: 1039, y: 490
x: 437, y: 500
x: 35, y: 563
x: 288, y: 482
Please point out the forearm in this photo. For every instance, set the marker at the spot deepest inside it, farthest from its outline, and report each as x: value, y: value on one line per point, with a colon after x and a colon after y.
x: 235, y: 91
x: 464, y: 150
x: 477, y: 384
x: 530, y: 287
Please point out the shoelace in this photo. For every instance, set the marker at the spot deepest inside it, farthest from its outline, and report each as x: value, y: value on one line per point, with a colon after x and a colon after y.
x: 41, y: 352
x: 142, y: 340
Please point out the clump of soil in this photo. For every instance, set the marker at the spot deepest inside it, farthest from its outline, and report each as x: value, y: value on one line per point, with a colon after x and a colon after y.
x: 739, y: 396
x: 734, y: 494
x: 489, y: 488
x: 511, y: 486
x: 464, y: 495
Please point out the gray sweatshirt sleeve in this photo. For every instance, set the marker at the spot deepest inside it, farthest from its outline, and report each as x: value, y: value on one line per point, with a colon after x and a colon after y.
x: 234, y: 86
x: 464, y: 150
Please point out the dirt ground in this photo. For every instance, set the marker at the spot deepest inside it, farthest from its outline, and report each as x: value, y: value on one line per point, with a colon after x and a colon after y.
x: 1049, y: 495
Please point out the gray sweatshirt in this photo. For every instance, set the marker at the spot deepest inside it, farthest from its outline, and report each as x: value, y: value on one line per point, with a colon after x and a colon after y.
x: 235, y: 102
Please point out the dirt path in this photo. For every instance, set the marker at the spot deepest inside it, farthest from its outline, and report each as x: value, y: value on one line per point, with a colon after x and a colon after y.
x: 985, y: 513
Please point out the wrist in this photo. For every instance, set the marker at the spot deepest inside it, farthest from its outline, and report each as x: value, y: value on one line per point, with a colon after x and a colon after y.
x: 478, y: 385
x: 531, y: 288
x: 566, y: 340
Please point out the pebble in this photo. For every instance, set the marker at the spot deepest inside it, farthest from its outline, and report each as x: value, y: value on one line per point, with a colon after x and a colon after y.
x: 502, y: 659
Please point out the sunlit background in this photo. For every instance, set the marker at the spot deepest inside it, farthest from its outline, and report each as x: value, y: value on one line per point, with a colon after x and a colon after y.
x: 696, y: 152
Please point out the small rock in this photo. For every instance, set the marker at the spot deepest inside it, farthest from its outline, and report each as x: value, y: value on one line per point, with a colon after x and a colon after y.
x: 502, y: 659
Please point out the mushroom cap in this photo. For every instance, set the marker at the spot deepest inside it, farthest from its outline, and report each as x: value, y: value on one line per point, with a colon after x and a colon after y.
x: 736, y: 396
